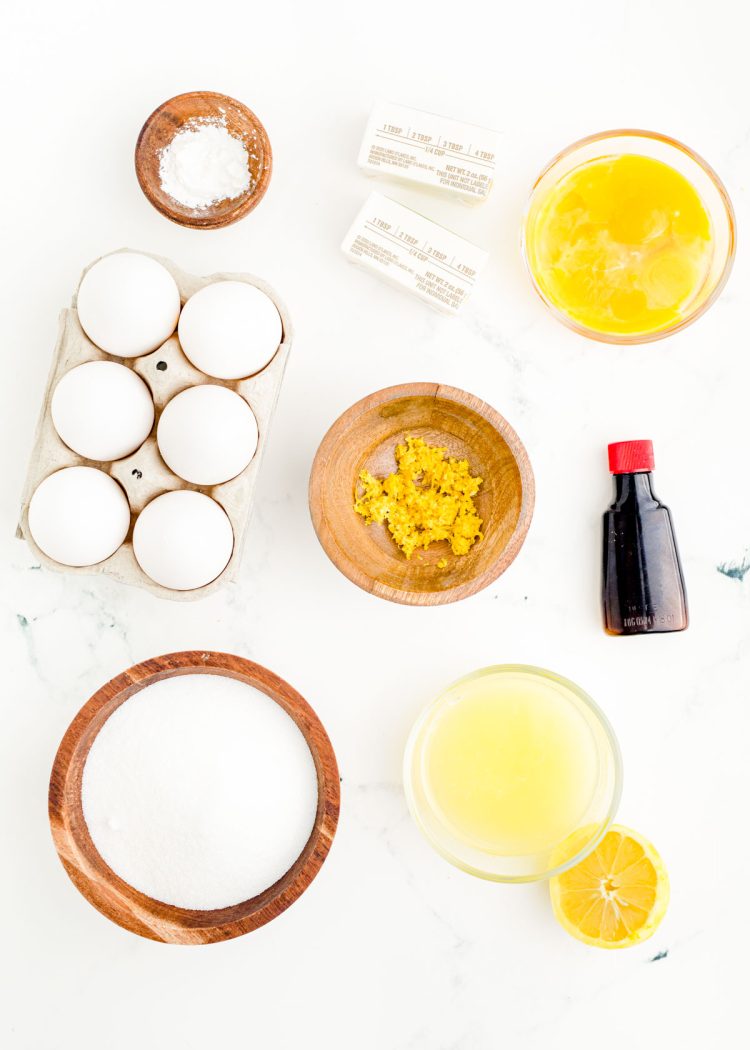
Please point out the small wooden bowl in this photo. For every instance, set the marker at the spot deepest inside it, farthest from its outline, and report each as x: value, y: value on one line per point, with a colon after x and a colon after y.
x: 107, y: 891
x: 365, y: 438
x: 163, y: 125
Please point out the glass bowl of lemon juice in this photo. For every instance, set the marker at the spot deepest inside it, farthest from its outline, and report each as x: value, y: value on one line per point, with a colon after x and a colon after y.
x: 628, y: 236
x: 507, y: 768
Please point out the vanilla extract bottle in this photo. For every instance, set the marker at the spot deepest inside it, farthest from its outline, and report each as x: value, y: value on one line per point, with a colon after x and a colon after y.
x: 643, y: 589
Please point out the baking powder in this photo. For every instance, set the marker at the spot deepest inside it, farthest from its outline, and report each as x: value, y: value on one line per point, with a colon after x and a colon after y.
x: 203, y: 164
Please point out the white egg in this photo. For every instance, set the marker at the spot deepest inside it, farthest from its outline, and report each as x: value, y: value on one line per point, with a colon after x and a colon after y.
x: 230, y: 329
x: 128, y: 304
x: 102, y: 410
x: 207, y: 435
x: 183, y: 540
x: 79, y: 516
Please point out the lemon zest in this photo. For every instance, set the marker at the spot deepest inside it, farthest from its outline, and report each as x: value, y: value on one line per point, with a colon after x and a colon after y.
x: 428, y: 499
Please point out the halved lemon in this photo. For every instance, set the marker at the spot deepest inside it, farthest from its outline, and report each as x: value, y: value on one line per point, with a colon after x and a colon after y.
x: 617, y: 896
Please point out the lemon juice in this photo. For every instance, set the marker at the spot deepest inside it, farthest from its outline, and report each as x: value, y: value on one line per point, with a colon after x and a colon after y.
x: 622, y: 245
x: 506, y: 765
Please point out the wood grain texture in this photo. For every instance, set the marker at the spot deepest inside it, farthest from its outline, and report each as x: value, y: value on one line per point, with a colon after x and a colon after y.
x: 115, y: 898
x: 163, y: 125
x: 365, y: 438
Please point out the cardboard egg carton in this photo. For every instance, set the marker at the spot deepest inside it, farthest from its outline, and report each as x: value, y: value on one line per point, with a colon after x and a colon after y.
x: 144, y: 474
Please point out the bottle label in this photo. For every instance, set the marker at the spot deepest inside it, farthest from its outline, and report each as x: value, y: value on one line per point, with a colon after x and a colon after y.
x: 649, y: 620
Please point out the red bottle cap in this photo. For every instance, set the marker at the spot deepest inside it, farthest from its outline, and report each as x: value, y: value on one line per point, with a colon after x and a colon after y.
x: 628, y: 457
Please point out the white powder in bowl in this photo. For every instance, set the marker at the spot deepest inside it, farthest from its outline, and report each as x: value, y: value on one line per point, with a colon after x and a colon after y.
x: 200, y: 791
x: 204, y: 164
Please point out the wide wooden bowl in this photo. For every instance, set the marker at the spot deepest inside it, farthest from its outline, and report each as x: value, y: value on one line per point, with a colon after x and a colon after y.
x: 163, y: 125
x: 106, y: 890
x: 365, y: 438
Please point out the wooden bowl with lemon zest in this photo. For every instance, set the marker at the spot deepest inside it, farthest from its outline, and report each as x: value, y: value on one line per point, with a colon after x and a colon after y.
x: 365, y: 438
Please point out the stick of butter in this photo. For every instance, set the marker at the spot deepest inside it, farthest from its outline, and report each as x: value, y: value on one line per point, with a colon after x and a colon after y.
x: 414, y: 253
x: 433, y: 151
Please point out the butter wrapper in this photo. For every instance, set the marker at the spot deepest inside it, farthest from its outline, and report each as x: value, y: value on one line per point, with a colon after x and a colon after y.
x: 414, y: 253
x: 446, y: 155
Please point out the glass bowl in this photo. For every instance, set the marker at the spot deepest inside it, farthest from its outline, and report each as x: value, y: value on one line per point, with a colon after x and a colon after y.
x: 567, y: 738
x: 699, y: 174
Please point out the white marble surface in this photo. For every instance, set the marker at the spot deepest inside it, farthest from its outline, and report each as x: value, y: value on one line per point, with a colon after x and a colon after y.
x: 391, y: 948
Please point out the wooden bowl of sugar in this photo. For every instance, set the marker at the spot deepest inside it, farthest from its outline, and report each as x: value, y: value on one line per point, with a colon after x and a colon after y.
x: 365, y: 438
x: 194, y: 797
x: 203, y: 160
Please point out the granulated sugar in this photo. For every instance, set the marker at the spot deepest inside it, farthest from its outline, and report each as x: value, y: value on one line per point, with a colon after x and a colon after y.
x: 200, y: 791
x: 203, y: 164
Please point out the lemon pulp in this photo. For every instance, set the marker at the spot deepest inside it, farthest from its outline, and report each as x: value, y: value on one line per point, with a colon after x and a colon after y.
x: 510, y: 764
x: 621, y: 244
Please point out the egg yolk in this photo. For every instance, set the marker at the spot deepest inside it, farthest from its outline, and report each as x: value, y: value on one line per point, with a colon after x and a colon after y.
x: 621, y: 245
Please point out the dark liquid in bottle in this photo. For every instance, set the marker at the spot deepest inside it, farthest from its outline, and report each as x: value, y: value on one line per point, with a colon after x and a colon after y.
x: 643, y: 590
